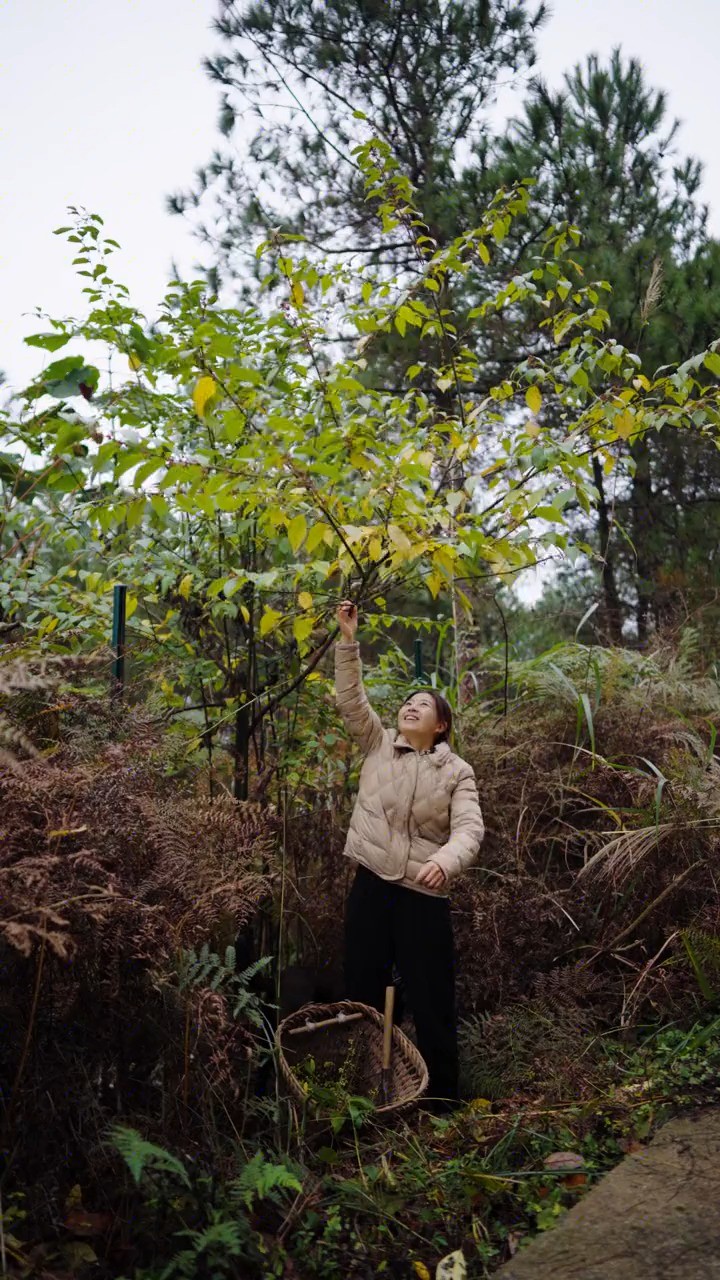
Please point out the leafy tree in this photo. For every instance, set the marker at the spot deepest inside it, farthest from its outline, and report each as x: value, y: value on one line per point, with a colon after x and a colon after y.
x: 244, y: 478
x: 603, y: 154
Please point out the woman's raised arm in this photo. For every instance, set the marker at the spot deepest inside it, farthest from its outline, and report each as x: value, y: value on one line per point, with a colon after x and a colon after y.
x: 361, y: 722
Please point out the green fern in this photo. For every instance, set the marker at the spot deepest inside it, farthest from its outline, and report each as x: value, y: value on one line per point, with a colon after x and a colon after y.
x: 206, y: 969
x: 260, y: 1179
x: 139, y: 1155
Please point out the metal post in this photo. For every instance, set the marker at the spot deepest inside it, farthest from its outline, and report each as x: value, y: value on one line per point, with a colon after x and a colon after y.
x: 418, y: 658
x: 118, y: 638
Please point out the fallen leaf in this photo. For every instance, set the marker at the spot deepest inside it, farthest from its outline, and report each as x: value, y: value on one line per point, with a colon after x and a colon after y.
x: 575, y: 1180
x: 563, y: 1160
x: 80, y: 1222
x: 513, y: 1242
x: 452, y: 1267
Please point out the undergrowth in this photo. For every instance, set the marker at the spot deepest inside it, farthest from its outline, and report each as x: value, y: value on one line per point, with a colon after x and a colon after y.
x: 138, y: 1136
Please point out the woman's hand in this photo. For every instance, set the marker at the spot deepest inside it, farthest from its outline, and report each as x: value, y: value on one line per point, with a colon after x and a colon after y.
x: 347, y: 616
x: 431, y: 875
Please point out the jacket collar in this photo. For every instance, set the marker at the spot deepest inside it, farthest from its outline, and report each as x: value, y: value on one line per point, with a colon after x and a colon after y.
x: 438, y: 756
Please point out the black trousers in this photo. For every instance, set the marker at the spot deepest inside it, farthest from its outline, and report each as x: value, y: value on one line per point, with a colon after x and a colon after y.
x: 386, y: 924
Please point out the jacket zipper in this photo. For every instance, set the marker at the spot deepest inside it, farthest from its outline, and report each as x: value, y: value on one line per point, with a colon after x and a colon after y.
x: 412, y: 801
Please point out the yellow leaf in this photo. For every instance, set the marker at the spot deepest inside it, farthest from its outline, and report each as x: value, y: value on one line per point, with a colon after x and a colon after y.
x: 434, y: 583
x: 624, y: 424
x: 302, y: 627
x: 134, y: 361
x: 131, y: 605
x: 245, y: 613
x: 445, y: 558
x: 398, y: 538
x: 531, y: 428
x: 74, y: 1198
x: 484, y: 253
x: 298, y: 294
x: 315, y: 537
x: 375, y: 548
x: 185, y: 586
x: 78, y: 1253
x: 204, y: 391
x: 269, y: 621
x: 305, y: 600
x: 533, y: 399
x: 297, y: 531
x: 421, y: 1270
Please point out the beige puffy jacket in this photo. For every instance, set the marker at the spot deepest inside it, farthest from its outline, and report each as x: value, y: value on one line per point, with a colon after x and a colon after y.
x: 412, y: 806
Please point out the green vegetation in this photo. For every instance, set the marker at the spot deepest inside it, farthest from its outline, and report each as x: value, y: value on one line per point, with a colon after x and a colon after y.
x: 412, y: 429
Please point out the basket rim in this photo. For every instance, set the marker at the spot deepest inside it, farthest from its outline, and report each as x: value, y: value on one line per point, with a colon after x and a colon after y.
x: 399, y: 1039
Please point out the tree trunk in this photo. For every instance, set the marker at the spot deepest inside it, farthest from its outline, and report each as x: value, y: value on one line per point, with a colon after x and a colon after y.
x: 612, y: 609
x: 643, y: 519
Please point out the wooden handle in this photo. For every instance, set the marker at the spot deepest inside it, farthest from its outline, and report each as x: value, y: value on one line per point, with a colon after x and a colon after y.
x: 387, y: 1026
x: 326, y: 1022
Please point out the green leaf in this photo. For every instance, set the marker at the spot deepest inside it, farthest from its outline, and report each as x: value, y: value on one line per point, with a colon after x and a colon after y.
x: 48, y: 341
x: 138, y: 1154
x: 712, y: 362
x: 70, y: 377
x: 297, y: 531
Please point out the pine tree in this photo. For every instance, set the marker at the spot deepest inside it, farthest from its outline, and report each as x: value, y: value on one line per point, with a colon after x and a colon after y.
x: 421, y: 73
x: 603, y: 154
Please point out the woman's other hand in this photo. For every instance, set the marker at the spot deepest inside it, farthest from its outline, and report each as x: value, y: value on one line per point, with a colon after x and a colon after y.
x: 431, y: 875
x: 347, y: 616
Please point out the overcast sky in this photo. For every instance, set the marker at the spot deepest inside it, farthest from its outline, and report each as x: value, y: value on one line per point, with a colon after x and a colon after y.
x: 103, y: 103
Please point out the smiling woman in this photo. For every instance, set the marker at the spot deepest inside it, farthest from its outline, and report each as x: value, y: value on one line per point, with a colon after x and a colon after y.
x: 416, y: 825
x: 425, y: 712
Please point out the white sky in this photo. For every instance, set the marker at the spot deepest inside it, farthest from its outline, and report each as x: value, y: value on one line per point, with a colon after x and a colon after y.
x: 103, y: 103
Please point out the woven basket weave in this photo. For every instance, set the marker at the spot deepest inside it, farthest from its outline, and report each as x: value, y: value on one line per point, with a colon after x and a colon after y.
x: 409, y: 1075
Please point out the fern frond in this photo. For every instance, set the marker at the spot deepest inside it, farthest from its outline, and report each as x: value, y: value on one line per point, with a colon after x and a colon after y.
x: 139, y: 1154
x: 261, y: 1179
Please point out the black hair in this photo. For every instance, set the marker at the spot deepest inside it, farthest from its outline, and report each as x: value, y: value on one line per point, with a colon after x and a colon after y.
x: 443, y: 711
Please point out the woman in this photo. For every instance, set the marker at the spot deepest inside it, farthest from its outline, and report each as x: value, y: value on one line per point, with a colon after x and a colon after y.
x: 416, y: 825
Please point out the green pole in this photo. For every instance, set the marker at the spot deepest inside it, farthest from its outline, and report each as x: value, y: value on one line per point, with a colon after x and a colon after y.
x: 118, y: 637
x: 418, y: 658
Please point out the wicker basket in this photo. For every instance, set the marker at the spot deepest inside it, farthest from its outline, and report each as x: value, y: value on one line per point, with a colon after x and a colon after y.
x: 333, y: 1043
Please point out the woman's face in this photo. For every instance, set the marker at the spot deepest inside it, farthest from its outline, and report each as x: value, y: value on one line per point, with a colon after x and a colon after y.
x: 418, y: 714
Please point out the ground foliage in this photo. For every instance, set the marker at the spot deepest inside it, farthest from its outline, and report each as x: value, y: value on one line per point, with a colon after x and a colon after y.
x: 117, y: 953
